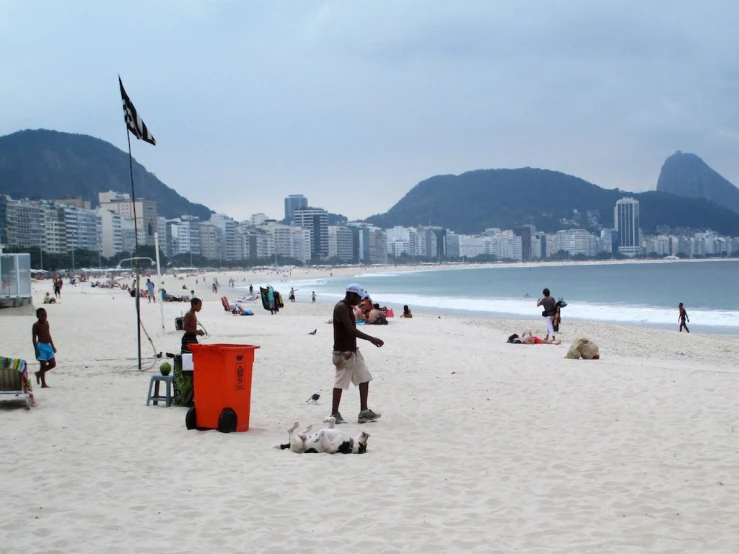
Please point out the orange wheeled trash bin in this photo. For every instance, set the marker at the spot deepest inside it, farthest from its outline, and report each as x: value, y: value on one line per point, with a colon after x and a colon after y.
x: 222, y: 387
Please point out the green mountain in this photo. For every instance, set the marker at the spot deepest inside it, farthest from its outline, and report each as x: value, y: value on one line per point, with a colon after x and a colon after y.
x: 504, y: 198
x: 689, y: 176
x: 50, y: 164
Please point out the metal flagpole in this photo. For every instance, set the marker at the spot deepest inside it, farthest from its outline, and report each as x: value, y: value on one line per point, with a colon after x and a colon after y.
x: 159, y: 275
x: 136, y: 233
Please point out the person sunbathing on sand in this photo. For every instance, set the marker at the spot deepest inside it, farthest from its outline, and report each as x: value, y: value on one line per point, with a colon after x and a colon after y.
x: 362, y: 311
x: 527, y: 338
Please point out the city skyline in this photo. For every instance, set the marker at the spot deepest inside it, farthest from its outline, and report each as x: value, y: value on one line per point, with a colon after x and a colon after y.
x: 334, y: 96
x: 69, y: 225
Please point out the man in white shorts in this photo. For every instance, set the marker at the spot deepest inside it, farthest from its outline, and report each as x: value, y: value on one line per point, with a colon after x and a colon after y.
x: 550, y: 309
x: 348, y: 361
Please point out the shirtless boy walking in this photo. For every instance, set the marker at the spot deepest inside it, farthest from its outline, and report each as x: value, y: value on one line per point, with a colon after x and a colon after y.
x: 43, y: 346
x: 191, y: 326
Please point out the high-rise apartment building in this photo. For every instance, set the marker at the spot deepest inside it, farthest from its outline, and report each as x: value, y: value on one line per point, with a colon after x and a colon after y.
x: 146, y: 213
x: 360, y: 242
x: 228, y: 230
x: 504, y: 246
x: 577, y: 242
x: 526, y: 232
x: 211, y: 241
x: 316, y: 221
x: 289, y: 241
x: 128, y: 235
x: 83, y: 229
x: 193, y: 223
x: 3, y: 220
x: 378, y: 246
x: 340, y: 243
x: 25, y: 222
x: 111, y: 232
x: 55, y: 229
x: 178, y: 237
x: 626, y: 223
x: 610, y: 236
x: 430, y: 244
x: 292, y: 203
x: 283, y: 235
x: 538, y: 245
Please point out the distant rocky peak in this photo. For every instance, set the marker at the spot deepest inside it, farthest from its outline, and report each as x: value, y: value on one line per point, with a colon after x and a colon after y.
x: 685, y: 174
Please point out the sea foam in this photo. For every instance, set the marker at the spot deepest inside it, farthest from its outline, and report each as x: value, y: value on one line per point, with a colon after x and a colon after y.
x: 526, y: 307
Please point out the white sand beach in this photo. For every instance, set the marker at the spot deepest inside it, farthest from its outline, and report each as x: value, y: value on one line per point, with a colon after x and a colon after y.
x: 482, y: 446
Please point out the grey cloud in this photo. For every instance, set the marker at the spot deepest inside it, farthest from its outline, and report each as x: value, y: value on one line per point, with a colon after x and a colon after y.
x: 253, y: 100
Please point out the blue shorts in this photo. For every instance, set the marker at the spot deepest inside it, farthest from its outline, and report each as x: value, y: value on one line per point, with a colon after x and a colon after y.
x: 45, y: 352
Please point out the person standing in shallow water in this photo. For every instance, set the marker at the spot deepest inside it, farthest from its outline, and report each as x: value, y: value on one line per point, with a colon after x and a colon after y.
x: 682, y: 317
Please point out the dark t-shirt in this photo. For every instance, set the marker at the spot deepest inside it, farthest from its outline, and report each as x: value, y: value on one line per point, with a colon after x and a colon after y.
x: 344, y: 325
x: 548, y: 303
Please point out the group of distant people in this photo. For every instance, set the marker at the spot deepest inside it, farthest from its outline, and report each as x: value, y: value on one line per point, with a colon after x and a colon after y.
x: 552, y: 315
x: 292, y: 297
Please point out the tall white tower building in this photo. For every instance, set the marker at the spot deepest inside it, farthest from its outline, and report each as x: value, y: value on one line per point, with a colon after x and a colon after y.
x: 626, y: 222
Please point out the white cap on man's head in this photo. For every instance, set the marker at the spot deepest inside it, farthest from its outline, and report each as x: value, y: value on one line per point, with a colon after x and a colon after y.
x: 358, y: 290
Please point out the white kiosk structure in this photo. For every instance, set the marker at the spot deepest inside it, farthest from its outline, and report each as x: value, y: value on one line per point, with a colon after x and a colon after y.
x: 15, y: 279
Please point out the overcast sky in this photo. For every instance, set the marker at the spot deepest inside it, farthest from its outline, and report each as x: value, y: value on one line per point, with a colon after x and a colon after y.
x: 353, y: 102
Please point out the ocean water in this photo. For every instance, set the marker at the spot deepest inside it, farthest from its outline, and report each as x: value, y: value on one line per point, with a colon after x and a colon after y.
x: 642, y: 293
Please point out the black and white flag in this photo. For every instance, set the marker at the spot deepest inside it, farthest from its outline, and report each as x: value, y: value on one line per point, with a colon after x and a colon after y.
x: 133, y: 120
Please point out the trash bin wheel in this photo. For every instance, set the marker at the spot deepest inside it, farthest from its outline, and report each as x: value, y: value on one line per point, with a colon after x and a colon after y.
x: 227, y: 421
x: 190, y: 419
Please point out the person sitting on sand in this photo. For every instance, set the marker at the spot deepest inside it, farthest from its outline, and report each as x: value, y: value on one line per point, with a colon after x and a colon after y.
x: 406, y: 312
x: 362, y: 311
x: 48, y: 299
x: 377, y: 316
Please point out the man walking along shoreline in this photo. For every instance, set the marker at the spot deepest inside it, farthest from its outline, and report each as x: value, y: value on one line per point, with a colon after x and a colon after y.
x: 348, y: 361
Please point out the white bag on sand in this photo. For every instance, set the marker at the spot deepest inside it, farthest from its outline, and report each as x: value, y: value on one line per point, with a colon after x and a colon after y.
x: 583, y: 348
